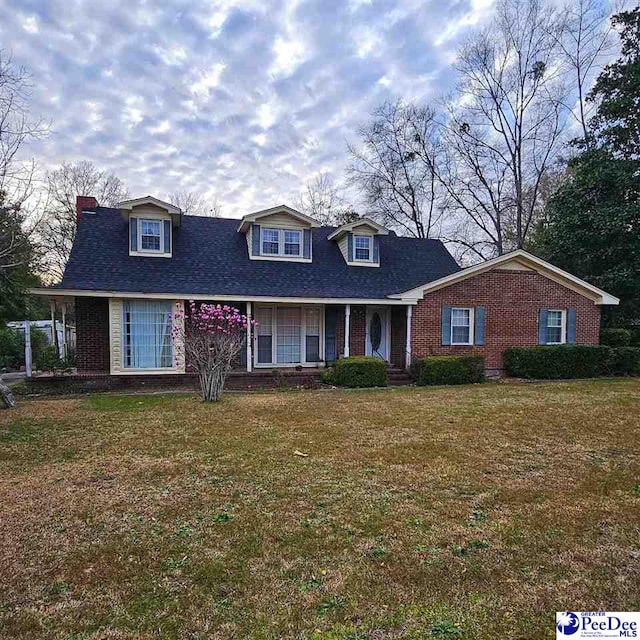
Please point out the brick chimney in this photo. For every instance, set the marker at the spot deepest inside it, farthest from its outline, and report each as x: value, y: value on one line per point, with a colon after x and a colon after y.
x: 84, y: 202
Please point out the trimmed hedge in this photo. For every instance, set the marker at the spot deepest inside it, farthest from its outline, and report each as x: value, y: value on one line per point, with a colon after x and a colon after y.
x: 448, y: 370
x: 555, y: 362
x: 615, y: 337
x: 626, y: 361
x: 357, y: 372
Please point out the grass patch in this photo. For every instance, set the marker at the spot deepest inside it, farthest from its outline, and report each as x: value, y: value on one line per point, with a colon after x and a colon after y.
x: 472, y: 512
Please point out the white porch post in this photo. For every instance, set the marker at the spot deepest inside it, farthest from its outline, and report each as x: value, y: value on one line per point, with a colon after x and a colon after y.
x: 27, y: 348
x: 64, y: 329
x: 347, y: 319
x: 249, y: 339
x: 407, y: 354
x: 54, y: 331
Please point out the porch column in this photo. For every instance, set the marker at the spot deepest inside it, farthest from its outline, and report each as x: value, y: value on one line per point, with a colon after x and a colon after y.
x: 27, y: 348
x: 54, y: 332
x: 407, y: 350
x: 64, y: 329
x: 347, y: 318
x: 249, y: 339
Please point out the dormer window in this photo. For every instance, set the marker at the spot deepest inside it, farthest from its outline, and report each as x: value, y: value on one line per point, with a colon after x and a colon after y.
x: 151, y: 226
x: 150, y: 235
x: 280, y: 233
x: 362, y: 248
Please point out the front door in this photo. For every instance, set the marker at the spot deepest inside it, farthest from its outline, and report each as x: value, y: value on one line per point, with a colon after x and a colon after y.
x: 378, y: 332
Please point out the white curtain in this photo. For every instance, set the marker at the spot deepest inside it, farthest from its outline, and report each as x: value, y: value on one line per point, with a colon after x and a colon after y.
x: 147, y: 334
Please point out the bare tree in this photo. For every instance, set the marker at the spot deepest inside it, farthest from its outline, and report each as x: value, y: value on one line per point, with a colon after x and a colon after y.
x: 58, y: 228
x: 585, y: 39
x: 398, y: 184
x: 17, y: 128
x: 325, y: 202
x: 194, y: 204
x: 504, y: 128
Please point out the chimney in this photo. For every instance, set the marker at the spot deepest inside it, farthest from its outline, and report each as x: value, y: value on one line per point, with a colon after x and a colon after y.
x: 84, y: 202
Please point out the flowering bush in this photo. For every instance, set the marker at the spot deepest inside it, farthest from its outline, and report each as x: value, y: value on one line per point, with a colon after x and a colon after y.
x: 212, y: 336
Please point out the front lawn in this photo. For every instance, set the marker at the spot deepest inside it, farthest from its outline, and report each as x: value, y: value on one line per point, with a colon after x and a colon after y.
x: 467, y: 512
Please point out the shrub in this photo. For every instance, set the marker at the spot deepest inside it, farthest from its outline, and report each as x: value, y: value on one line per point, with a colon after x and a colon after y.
x: 615, y: 337
x: 11, y: 349
x: 626, y: 361
x: 635, y: 337
x: 563, y: 361
x: 448, y: 370
x: 359, y: 371
x: 326, y: 375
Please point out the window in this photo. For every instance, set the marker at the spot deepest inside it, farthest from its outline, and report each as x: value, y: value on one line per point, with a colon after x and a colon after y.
x: 362, y: 246
x: 461, y: 326
x: 555, y: 327
x: 150, y: 235
x: 292, y: 243
x: 147, y: 341
x: 271, y: 241
x: 288, y: 335
x: 282, y: 242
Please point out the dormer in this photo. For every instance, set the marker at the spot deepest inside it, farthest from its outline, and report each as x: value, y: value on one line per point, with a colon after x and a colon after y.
x: 359, y: 242
x: 151, y: 226
x: 279, y: 233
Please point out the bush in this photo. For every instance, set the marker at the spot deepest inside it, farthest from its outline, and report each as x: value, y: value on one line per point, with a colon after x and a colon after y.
x: 11, y: 349
x: 563, y: 361
x: 615, y: 337
x: 626, y: 361
x: 448, y: 370
x: 635, y: 337
x: 358, y: 371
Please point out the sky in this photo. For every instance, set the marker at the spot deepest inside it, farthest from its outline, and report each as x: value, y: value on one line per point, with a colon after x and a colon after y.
x: 245, y: 101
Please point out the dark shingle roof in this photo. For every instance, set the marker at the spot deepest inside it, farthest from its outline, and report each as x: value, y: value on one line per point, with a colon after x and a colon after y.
x: 210, y: 257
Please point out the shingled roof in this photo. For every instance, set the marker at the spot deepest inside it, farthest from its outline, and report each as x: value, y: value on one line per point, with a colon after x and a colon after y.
x: 211, y: 258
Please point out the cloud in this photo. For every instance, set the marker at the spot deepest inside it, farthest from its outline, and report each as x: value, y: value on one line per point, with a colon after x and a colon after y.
x: 242, y: 99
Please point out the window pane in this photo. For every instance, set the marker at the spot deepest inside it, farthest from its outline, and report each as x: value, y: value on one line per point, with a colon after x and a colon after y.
x: 288, y: 342
x: 554, y: 335
x: 264, y: 331
x: 270, y: 241
x: 460, y: 334
x: 313, y: 335
x: 292, y: 243
x: 554, y: 318
x: 460, y: 317
x: 150, y: 235
x: 148, y: 342
x: 362, y: 245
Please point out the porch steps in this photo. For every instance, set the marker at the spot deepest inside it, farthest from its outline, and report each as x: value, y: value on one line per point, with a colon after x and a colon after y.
x: 398, y: 377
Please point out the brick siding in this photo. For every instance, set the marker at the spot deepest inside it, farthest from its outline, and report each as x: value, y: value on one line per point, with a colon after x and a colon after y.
x: 398, y: 336
x: 92, y: 334
x: 512, y: 300
x: 357, y: 330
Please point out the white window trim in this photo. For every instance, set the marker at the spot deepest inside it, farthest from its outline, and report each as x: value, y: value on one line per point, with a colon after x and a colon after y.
x: 150, y: 252
x: 370, y: 239
x: 303, y: 338
x: 472, y: 322
x: 281, y: 242
x: 563, y: 325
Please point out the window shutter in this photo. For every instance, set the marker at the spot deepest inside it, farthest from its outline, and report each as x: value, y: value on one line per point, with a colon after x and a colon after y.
x: 571, y: 326
x: 542, y: 326
x: 446, y: 325
x: 376, y: 249
x: 306, y: 243
x: 167, y: 236
x: 255, y: 239
x: 133, y: 234
x: 478, y: 333
x: 350, y: 246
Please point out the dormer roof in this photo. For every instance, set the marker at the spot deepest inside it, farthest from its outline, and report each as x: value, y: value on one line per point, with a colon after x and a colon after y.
x: 250, y: 218
x: 127, y: 207
x: 378, y: 229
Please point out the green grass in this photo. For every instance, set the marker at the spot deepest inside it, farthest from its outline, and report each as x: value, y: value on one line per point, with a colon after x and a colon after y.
x: 467, y: 512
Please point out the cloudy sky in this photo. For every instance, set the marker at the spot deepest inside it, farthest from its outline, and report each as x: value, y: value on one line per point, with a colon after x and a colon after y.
x: 245, y: 100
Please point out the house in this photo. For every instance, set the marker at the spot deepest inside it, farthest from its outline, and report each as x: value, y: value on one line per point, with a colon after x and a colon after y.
x: 317, y: 293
